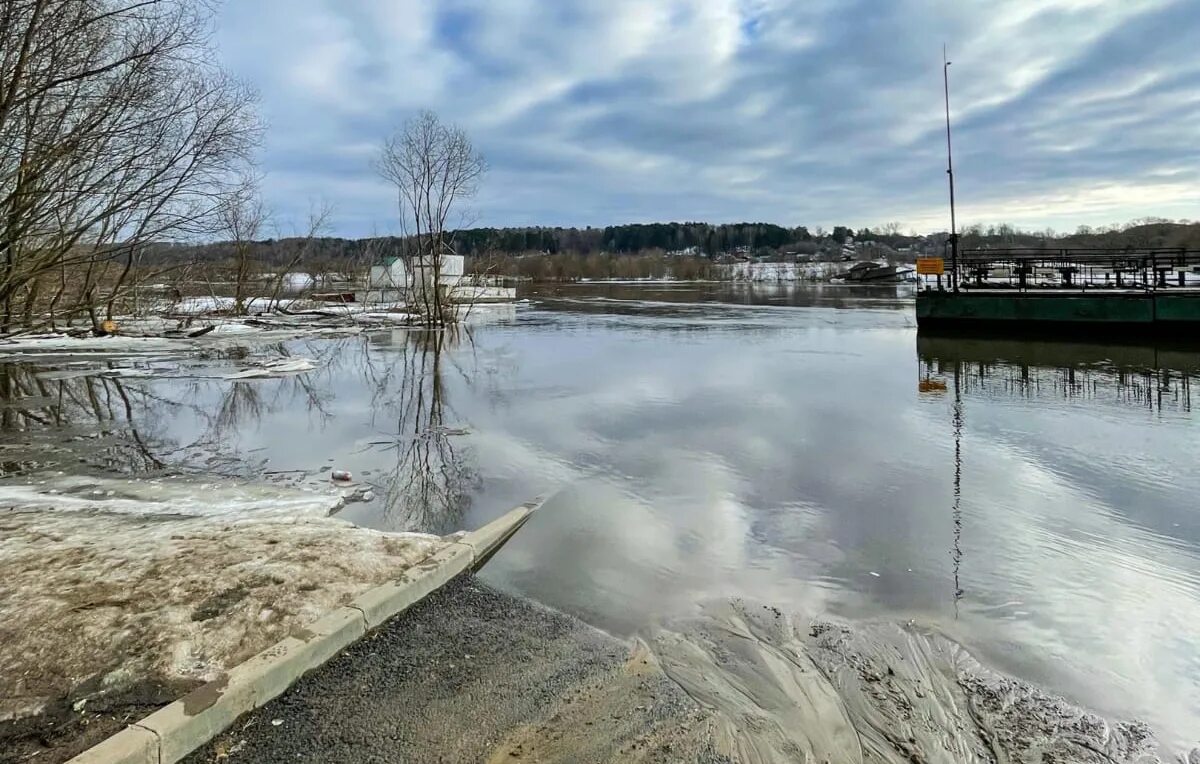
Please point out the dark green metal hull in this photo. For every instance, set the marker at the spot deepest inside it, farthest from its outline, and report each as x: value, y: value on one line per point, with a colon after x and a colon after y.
x: 1054, y: 312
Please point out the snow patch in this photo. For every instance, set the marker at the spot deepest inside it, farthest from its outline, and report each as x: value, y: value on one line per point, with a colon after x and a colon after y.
x: 127, y: 599
x: 171, y: 497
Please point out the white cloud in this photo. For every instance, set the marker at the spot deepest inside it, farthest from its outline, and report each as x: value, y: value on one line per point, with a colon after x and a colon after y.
x: 606, y: 111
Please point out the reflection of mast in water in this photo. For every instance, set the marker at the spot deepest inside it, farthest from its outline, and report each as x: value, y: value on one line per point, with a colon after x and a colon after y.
x: 956, y: 512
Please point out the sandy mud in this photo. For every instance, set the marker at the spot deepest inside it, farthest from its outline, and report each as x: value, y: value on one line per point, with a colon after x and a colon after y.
x: 787, y: 688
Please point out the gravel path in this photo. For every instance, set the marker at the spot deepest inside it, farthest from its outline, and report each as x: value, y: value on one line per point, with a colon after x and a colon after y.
x: 474, y: 675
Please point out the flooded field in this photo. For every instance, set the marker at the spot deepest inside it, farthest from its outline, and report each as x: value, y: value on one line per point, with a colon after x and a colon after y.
x: 799, y: 446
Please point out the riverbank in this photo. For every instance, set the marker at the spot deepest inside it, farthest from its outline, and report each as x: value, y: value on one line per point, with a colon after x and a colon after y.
x: 700, y: 447
x: 124, y: 595
x: 473, y: 674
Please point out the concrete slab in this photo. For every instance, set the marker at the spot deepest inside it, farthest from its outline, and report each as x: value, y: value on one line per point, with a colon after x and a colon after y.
x: 132, y: 745
x: 487, y: 540
x: 416, y: 583
x: 332, y: 633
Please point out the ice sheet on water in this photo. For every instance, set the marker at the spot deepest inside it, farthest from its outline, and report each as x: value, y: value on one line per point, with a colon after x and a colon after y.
x: 180, y: 497
x: 276, y: 368
x: 63, y: 344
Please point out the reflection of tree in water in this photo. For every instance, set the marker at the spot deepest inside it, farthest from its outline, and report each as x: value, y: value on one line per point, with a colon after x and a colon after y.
x: 429, y: 487
x: 52, y: 417
x: 93, y: 419
x: 242, y: 404
x: 42, y: 411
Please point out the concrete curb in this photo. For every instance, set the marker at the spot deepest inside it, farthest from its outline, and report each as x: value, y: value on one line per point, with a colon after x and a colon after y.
x: 174, y: 731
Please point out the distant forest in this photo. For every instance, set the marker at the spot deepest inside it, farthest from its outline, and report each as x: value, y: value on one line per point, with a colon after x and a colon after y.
x: 699, y: 238
x: 711, y: 240
x: 702, y: 241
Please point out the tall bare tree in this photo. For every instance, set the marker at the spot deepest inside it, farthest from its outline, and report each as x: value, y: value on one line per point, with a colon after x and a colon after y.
x: 117, y: 129
x: 435, y: 168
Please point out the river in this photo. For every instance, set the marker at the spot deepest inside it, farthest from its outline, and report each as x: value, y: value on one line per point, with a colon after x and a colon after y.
x: 802, y: 446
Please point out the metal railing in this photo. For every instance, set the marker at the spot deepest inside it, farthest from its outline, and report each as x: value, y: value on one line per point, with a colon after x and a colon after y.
x: 1030, y: 269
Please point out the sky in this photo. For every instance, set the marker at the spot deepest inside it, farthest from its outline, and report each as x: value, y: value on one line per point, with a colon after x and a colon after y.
x: 796, y: 112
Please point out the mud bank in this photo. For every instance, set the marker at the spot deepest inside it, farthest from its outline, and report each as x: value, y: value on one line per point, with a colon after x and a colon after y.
x: 114, y: 603
x: 787, y: 688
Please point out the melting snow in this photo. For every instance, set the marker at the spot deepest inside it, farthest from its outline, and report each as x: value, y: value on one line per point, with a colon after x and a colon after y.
x: 171, y: 581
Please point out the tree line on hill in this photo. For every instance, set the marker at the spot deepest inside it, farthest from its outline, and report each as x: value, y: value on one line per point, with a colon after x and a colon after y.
x: 700, y: 239
x: 1144, y: 233
x: 693, y: 237
x: 607, y: 245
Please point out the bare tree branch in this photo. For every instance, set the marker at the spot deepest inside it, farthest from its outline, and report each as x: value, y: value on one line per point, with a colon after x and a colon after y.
x: 434, y: 168
x: 117, y: 130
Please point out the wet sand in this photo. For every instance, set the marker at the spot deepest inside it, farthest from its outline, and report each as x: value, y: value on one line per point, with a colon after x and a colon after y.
x: 793, y: 688
x: 473, y: 674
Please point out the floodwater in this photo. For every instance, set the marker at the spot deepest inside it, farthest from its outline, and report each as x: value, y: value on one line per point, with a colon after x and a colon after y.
x: 802, y: 446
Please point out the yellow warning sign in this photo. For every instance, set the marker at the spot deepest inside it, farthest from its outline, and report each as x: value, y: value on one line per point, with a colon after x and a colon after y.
x: 930, y: 266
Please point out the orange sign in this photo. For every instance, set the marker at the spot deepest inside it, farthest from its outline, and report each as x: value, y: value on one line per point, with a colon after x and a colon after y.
x: 930, y: 266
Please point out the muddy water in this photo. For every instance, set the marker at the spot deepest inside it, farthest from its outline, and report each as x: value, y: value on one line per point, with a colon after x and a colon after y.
x: 696, y: 443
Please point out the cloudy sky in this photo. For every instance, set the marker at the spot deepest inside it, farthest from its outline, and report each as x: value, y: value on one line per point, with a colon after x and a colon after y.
x: 814, y: 112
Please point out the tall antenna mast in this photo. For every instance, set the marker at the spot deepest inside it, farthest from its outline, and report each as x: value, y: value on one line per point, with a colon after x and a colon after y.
x: 950, y: 173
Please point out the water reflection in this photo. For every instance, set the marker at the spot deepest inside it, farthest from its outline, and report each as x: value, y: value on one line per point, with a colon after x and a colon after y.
x: 43, y: 409
x: 392, y: 390
x: 1034, y: 500
x: 430, y: 482
x: 1085, y: 449
x: 812, y: 457
x: 690, y: 304
x: 1158, y: 379
x: 1143, y: 376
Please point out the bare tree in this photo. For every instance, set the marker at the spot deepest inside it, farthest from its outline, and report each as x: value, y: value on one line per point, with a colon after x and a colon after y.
x: 241, y: 219
x: 117, y: 129
x: 318, y: 220
x: 434, y: 167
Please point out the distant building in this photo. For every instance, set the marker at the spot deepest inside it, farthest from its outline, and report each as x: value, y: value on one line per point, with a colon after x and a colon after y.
x: 390, y: 281
x: 387, y: 281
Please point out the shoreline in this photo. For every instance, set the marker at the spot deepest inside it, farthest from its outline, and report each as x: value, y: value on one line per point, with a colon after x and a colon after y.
x: 186, y: 716
x: 476, y: 674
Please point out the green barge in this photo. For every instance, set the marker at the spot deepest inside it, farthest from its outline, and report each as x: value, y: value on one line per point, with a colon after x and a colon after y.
x: 1096, y: 293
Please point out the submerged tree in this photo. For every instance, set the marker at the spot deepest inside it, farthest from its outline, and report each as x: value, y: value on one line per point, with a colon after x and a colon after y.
x: 117, y: 129
x: 435, y: 168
